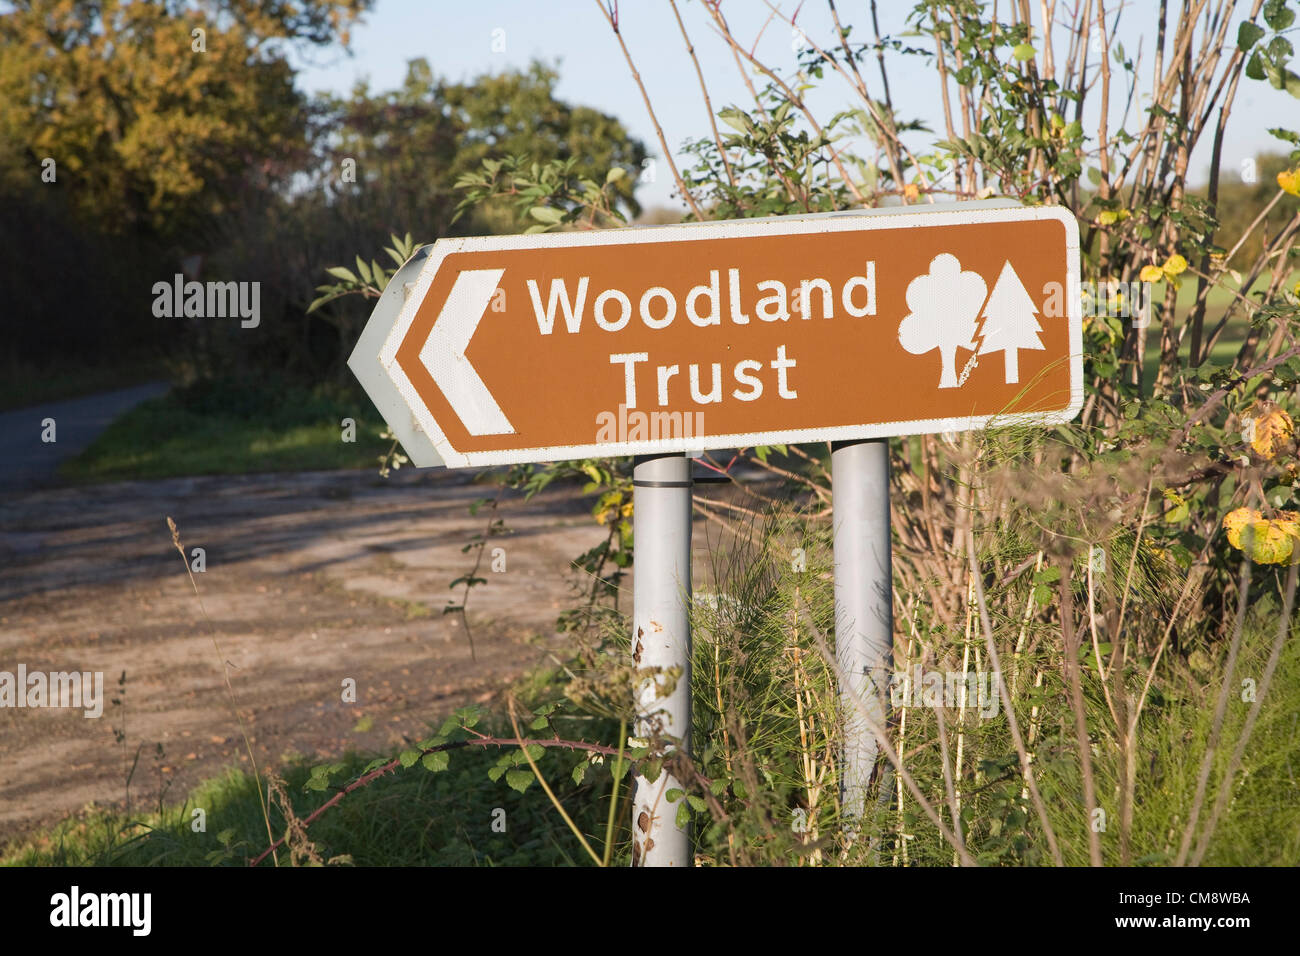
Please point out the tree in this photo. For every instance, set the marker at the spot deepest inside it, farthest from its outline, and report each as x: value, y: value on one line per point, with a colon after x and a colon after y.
x: 395, y: 162
x: 412, y: 145
x: 1009, y: 323
x: 944, y: 303
x: 157, y: 113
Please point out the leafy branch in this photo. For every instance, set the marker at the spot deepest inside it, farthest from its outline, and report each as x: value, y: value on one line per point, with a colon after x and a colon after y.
x: 370, y: 278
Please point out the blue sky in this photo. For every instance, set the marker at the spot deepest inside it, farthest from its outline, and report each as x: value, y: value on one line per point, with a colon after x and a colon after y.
x: 463, y: 39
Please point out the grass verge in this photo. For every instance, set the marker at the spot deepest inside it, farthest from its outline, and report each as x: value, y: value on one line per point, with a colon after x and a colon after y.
x: 233, y: 427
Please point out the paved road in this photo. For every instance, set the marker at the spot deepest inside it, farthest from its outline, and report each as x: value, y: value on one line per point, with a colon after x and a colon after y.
x: 28, y: 462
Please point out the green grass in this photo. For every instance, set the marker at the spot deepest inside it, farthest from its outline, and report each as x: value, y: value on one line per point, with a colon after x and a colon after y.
x: 764, y: 715
x: 414, y: 817
x: 1217, y: 301
x: 232, y: 427
x: 27, y: 383
x: 411, y: 817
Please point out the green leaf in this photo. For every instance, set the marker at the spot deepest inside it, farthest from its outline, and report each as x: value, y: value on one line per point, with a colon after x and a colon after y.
x: 318, y: 302
x: 735, y: 119
x: 674, y: 794
x: 536, y: 751
x: 408, y: 758
x: 364, y: 271
x: 580, y: 771
x: 495, y: 773
x: 1278, y: 14
x: 342, y: 272
x: 519, y: 779
x: 616, y: 174
x: 1024, y: 52
x: 1255, y: 67
x: 697, y: 803
x: 547, y: 214
x: 435, y: 762
x: 683, y: 816
x: 1248, y: 35
x: 539, y: 724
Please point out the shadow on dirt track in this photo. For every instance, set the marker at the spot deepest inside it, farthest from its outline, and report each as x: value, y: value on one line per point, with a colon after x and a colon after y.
x: 310, y: 579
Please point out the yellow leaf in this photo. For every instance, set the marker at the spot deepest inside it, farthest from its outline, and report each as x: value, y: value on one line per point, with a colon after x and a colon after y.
x: 1151, y: 274
x: 1288, y: 521
x: 1270, y: 543
x: 911, y: 191
x: 1269, y: 428
x: 1174, y: 265
x: 1234, y: 521
x: 1289, y: 181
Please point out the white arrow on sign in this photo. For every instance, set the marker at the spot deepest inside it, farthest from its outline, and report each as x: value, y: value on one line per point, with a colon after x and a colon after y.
x: 443, y: 353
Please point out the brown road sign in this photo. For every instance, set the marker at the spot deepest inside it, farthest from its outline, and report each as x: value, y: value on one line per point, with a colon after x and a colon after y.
x: 895, y: 321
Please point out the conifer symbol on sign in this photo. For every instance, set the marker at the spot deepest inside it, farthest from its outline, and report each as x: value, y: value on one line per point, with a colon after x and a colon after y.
x: 944, y: 304
x: 1009, y: 323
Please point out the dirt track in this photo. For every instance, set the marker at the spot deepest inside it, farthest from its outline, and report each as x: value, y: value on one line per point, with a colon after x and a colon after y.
x: 310, y: 579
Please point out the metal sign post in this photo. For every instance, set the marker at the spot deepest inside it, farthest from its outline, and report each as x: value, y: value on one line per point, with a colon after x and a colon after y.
x: 661, y: 639
x: 864, y: 619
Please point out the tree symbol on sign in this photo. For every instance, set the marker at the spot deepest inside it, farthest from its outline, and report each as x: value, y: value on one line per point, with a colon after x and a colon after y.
x: 1009, y: 323
x: 944, y: 305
